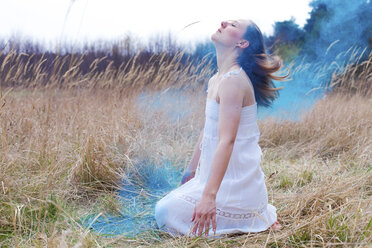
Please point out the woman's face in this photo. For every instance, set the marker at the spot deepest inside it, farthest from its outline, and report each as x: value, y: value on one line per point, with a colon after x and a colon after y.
x: 230, y: 32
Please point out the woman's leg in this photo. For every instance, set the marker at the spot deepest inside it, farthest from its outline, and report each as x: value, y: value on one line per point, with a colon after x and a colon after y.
x: 173, y: 215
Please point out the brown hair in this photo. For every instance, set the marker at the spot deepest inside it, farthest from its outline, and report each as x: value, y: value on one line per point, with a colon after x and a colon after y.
x: 260, y: 66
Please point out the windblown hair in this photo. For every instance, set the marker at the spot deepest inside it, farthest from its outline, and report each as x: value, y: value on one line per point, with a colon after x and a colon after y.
x: 260, y: 66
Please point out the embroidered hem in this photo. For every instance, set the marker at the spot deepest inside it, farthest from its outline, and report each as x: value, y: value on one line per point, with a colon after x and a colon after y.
x: 227, y: 214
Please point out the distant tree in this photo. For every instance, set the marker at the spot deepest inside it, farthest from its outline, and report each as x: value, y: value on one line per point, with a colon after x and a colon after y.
x: 318, y: 14
x: 286, y: 40
x: 342, y: 24
x: 287, y: 32
x: 313, y: 28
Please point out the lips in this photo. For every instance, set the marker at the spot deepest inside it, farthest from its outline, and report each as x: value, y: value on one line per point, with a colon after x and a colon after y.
x: 219, y: 30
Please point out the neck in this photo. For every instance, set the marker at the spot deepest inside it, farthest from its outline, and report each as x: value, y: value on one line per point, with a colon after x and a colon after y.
x: 226, y: 59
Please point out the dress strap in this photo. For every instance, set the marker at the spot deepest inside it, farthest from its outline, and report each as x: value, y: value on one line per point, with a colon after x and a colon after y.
x: 228, y: 74
x: 234, y: 72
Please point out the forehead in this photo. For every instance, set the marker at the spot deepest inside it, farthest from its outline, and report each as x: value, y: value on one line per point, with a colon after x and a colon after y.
x: 244, y: 22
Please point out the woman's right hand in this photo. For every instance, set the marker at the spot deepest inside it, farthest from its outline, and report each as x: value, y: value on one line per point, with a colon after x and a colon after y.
x: 187, y: 175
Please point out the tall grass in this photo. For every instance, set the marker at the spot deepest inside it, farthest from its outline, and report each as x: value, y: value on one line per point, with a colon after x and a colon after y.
x: 357, y: 79
x: 66, y: 142
x: 65, y: 72
x: 337, y: 126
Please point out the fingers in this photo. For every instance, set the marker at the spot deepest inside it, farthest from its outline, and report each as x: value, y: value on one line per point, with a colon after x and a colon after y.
x: 202, y: 221
x: 186, y: 179
x: 207, y: 224
x: 201, y: 225
x: 214, y: 226
x: 193, y: 215
x: 183, y: 180
x: 196, y: 223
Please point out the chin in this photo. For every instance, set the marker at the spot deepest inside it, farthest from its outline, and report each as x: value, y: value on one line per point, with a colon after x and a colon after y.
x: 213, y: 37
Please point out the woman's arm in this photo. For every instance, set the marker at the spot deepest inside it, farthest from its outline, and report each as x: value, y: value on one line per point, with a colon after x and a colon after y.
x: 231, y: 100
x: 193, y: 164
x: 196, y: 155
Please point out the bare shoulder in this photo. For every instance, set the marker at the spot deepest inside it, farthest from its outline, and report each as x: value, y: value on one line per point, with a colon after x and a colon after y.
x: 236, y: 86
x: 232, y: 87
x: 235, y: 83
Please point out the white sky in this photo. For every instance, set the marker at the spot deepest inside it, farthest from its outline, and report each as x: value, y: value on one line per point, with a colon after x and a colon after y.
x: 49, y: 20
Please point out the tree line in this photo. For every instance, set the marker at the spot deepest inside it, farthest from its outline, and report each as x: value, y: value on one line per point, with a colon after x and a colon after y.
x: 333, y: 27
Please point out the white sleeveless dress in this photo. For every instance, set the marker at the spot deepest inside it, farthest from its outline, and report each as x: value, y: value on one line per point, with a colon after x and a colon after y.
x: 241, y: 201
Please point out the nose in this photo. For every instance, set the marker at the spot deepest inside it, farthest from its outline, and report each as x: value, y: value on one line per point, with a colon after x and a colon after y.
x: 223, y: 24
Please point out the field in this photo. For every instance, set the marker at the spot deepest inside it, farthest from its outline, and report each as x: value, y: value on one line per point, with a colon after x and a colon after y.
x: 67, y: 144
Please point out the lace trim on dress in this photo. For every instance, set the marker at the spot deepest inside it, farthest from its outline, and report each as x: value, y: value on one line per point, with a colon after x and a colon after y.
x: 229, y: 73
x: 234, y: 72
x: 227, y: 214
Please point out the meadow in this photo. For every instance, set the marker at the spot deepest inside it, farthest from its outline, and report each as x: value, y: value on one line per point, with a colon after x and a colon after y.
x: 68, y: 140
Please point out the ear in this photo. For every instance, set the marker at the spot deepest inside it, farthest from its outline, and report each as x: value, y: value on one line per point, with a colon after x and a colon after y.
x: 243, y: 44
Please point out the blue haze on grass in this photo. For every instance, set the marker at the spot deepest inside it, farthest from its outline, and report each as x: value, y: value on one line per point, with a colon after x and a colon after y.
x: 140, y: 191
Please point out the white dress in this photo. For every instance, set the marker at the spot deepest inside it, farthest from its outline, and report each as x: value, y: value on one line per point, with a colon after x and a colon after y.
x: 241, y: 201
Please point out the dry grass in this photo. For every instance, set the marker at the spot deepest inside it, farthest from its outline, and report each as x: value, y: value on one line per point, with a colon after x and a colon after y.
x: 21, y: 70
x: 337, y: 126
x: 356, y: 79
x: 64, y: 150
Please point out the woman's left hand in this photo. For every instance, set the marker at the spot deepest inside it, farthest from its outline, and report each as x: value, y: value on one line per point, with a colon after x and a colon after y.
x: 187, y: 176
x: 204, y: 213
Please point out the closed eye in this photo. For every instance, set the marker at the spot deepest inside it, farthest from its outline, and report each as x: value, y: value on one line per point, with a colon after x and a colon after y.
x: 232, y: 23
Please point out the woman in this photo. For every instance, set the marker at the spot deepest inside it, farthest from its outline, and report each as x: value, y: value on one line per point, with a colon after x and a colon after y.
x: 226, y: 189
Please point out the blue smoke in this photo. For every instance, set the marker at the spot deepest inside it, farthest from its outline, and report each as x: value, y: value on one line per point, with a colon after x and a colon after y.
x: 338, y: 34
x: 336, y: 27
x: 173, y: 102
x: 141, y: 189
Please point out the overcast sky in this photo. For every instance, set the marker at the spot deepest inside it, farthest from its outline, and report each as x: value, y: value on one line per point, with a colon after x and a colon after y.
x: 80, y: 20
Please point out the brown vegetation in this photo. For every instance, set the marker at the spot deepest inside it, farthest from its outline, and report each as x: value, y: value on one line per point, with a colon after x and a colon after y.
x: 64, y: 149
